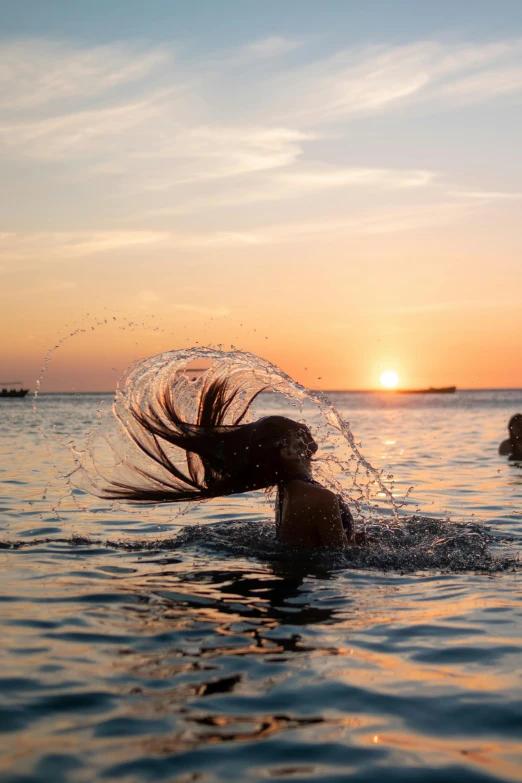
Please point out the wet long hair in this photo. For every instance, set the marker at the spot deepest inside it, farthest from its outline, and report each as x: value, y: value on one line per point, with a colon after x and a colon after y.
x: 222, y: 455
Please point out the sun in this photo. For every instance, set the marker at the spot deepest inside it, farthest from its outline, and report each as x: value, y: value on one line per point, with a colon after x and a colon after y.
x: 389, y: 379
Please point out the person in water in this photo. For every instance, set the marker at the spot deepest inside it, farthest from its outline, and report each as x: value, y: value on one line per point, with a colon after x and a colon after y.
x: 229, y: 458
x: 512, y: 446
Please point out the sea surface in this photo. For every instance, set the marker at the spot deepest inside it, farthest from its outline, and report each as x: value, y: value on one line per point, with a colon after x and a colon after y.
x: 138, y: 645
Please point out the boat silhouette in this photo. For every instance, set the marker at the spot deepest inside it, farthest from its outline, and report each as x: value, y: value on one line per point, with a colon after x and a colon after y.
x: 12, y: 391
x: 430, y: 390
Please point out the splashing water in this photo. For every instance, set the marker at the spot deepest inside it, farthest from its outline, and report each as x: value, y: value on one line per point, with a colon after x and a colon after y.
x: 397, y: 541
x: 111, y: 447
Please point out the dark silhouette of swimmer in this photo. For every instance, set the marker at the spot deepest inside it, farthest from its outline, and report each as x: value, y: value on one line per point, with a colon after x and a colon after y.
x: 512, y: 446
x: 225, y: 456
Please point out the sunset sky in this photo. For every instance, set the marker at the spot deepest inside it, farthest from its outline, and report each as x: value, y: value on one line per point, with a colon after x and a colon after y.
x: 335, y: 186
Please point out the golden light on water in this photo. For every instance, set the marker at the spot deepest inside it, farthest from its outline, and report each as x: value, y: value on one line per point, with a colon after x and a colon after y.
x: 390, y: 379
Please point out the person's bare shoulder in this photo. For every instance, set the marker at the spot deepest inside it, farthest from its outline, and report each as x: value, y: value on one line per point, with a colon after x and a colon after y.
x: 315, y: 490
x: 321, y: 507
x: 317, y: 495
x: 505, y: 447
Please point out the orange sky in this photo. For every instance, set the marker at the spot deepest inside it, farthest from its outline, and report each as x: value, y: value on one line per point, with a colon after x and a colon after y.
x: 346, y: 205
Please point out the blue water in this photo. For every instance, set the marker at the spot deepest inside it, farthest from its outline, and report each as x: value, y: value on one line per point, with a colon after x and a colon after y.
x: 138, y: 646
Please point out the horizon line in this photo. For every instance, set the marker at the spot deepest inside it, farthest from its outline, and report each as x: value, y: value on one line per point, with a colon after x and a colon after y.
x: 324, y: 391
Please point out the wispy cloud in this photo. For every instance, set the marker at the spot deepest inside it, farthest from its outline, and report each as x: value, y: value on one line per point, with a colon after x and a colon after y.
x: 134, y: 121
x: 295, y: 182
x: 273, y: 46
x: 165, y: 110
x: 490, y: 83
x: 486, y: 195
x: 38, y: 72
x: 157, y: 153
x: 378, y: 78
x: 39, y: 247
x: 225, y: 151
x: 74, y: 134
x: 362, y: 223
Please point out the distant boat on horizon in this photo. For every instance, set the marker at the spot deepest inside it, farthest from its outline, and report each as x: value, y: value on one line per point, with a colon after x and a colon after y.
x: 430, y: 390
x: 12, y: 392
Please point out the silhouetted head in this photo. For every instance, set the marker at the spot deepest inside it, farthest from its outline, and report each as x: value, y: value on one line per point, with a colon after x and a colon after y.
x: 515, y: 427
x: 256, y: 455
x: 515, y: 435
x: 277, y: 444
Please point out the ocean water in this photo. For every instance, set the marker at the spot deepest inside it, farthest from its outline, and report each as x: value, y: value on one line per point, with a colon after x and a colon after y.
x: 138, y: 645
